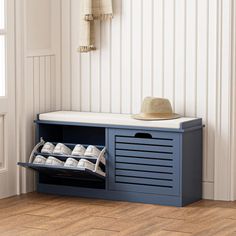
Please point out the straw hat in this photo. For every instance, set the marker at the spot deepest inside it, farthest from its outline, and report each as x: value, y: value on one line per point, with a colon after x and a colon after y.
x: 156, y: 109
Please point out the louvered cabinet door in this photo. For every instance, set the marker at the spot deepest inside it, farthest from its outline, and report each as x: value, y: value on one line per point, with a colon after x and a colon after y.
x: 144, y: 161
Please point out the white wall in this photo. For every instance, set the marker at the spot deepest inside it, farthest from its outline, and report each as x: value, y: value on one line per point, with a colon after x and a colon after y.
x: 37, y: 23
x: 233, y: 111
x: 165, y: 48
x: 168, y: 48
x: 38, y: 73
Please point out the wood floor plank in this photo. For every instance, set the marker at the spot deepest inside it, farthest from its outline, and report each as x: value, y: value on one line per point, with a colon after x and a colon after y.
x: 169, y: 233
x: 21, y: 231
x: 41, y: 215
x: 97, y: 232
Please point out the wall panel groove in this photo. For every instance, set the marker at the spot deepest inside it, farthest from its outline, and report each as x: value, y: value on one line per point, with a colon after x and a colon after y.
x: 41, y: 73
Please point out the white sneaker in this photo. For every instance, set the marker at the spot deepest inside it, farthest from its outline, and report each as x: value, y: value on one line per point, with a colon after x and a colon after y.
x: 48, y: 148
x: 89, y: 165
x: 86, y: 164
x: 71, y: 162
x: 39, y: 160
x: 92, y: 151
x: 62, y: 149
x: 54, y: 161
x: 78, y: 150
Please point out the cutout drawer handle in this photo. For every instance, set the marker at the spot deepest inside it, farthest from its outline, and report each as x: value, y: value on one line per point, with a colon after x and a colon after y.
x: 143, y: 135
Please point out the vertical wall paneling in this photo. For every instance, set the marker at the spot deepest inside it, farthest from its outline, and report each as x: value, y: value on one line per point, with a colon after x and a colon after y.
x: 105, y: 66
x: 169, y: 38
x: 56, y: 43
x: 38, y: 77
x: 42, y: 92
x: 116, y: 57
x: 39, y: 96
x: 191, y: 55
x: 75, y: 56
x: 158, y: 48
x: 36, y: 84
x: 233, y: 111
x: 2, y: 154
x: 126, y: 59
x: 212, y: 78
x: 85, y: 81
x: 96, y: 72
x: 41, y: 82
x: 147, y: 46
x: 222, y: 154
x: 48, y: 83
x: 85, y: 78
x: 137, y: 29
x: 30, y: 100
x: 66, y: 54
x: 167, y: 48
x: 20, y: 70
x: 180, y: 56
x: 54, y: 103
x: 202, y: 67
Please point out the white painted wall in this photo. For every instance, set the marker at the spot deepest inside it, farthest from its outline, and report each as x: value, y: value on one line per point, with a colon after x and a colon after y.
x: 167, y: 48
x: 38, y: 73
x: 233, y: 108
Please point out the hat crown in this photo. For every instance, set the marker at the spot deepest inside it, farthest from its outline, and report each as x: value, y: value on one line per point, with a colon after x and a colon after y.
x: 154, y: 105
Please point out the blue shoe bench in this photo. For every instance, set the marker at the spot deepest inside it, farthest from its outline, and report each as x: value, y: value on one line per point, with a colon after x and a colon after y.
x: 157, y: 162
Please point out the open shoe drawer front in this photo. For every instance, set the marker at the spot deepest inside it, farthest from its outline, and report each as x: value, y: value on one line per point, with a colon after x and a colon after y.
x: 67, y: 176
x: 72, y: 176
x: 60, y: 171
x: 144, y: 161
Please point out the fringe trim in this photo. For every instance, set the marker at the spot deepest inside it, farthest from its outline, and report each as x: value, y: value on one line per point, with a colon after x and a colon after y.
x: 103, y: 17
x: 86, y: 48
x: 90, y: 17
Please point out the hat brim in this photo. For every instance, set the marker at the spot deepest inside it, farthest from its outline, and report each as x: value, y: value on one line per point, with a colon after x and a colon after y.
x: 155, y: 116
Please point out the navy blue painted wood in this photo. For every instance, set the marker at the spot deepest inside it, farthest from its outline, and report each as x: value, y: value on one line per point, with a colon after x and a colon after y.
x: 64, y: 158
x: 144, y: 154
x: 191, y: 173
x: 60, y: 171
x: 197, y: 123
x: 144, y: 188
x: 137, y: 134
x: 144, y: 141
x: 150, y: 165
x: 145, y: 174
x: 71, y: 134
x: 140, y: 167
x: 144, y: 181
x: 140, y: 147
x: 111, y: 195
x: 145, y: 160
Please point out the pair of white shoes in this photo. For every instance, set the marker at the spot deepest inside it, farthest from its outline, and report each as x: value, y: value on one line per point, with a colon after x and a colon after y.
x: 70, y: 162
x: 48, y: 161
x: 90, y: 151
x: 62, y: 149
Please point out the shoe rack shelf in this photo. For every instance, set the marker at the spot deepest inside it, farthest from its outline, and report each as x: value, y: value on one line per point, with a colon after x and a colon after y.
x: 156, y: 162
x: 66, y: 172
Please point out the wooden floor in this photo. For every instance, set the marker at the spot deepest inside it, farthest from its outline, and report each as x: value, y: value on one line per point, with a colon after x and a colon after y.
x: 38, y: 214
